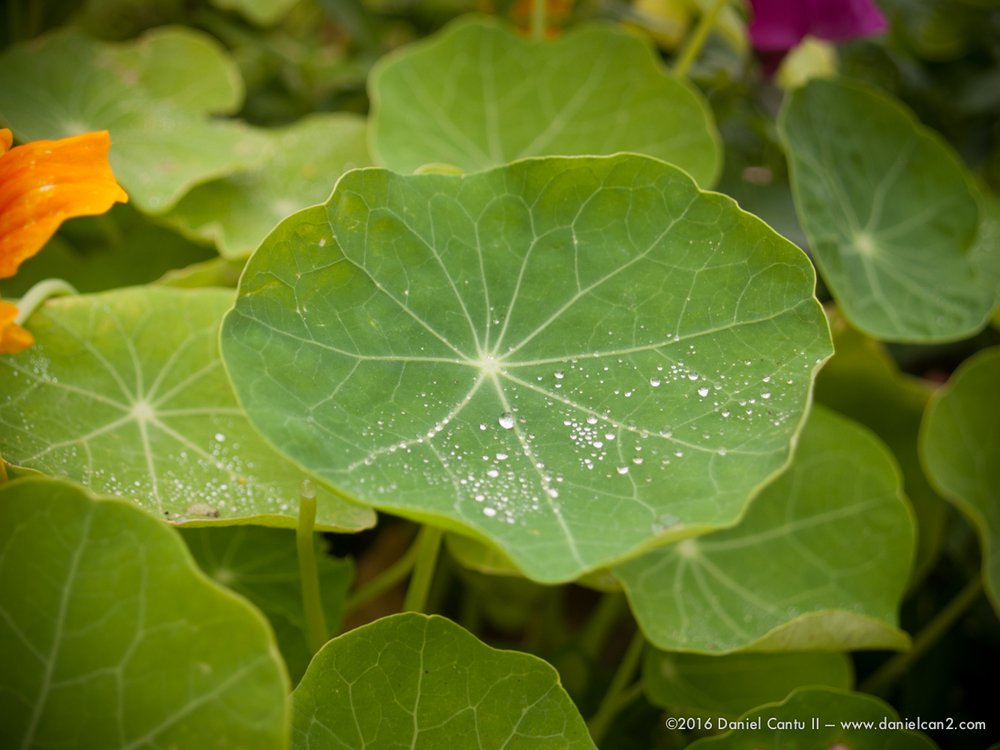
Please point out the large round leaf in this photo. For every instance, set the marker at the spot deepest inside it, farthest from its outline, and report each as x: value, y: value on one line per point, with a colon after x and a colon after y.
x: 125, y: 392
x: 425, y: 683
x: 154, y: 96
x: 111, y: 638
x: 820, y: 561
x: 572, y: 357
x: 478, y: 95
x: 889, y: 212
x: 960, y: 443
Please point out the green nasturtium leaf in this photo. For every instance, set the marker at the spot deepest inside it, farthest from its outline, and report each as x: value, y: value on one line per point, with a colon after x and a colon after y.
x: 262, y: 565
x: 154, y: 96
x: 300, y: 166
x: 863, y: 382
x: 732, y: 684
x: 960, y: 444
x: 890, y: 214
x: 425, y: 683
x: 478, y: 95
x: 814, y: 718
x: 125, y: 393
x: 111, y: 638
x: 820, y: 561
x: 574, y: 358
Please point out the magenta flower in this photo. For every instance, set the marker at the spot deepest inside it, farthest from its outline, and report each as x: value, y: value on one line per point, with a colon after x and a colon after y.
x: 778, y: 25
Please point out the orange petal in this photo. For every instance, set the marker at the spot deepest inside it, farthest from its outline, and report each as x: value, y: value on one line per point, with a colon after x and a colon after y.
x: 13, y: 338
x: 43, y: 183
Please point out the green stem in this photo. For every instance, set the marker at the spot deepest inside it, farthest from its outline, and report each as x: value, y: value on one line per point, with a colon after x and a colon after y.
x: 619, y: 691
x: 428, y: 545
x: 384, y: 581
x: 697, y: 40
x: 40, y: 292
x: 312, y: 602
x: 538, y: 19
x: 893, y: 669
x: 609, y: 610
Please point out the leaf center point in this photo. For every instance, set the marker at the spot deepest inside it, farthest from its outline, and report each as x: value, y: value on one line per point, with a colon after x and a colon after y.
x: 143, y: 411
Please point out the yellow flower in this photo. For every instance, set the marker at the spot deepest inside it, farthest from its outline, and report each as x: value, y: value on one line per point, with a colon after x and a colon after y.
x: 42, y: 184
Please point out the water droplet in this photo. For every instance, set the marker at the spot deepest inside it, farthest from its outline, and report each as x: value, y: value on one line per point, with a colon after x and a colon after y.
x: 560, y: 374
x: 552, y: 492
x: 637, y: 460
x: 655, y: 382
x: 506, y: 421
x: 765, y: 394
x: 591, y: 419
x: 622, y: 470
x: 767, y: 378
x: 219, y: 437
x: 492, y: 473
x: 489, y: 512
x: 726, y: 413
x: 482, y: 426
x: 501, y: 456
x: 703, y: 391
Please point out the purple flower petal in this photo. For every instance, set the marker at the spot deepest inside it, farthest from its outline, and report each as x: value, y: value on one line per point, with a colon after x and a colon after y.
x: 779, y: 25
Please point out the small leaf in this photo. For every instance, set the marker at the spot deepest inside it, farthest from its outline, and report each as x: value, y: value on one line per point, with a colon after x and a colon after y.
x: 792, y: 725
x: 303, y: 163
x: 820, y: 560
x: 425, y: 683
x: 477, y: 95
x: 125, y: 393
x: 732, y: 684
x: 111, y: 638
x: 960, y: 443
x: 262, y: 565
x: 532, y: 353
x: 890, y: 214
x: 154, y: 95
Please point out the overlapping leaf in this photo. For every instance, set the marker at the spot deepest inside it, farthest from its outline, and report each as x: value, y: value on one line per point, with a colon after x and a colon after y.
x: 477, y: 95
x: 732, y: 684
x: 425, y: 683
x: 890, y: 214
x: 111, y: 638
x: 125, y: 392
x: 820, y: 560
x: 302, y: 165
x: 862, y: 382
x: 154, y: 96
x: 262, y: 565
x: 533, y: 354
x: 791, y: 725
x: 960, y: 443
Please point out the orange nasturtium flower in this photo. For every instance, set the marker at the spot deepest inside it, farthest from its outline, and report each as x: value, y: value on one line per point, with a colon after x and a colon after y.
x: 42, y: 184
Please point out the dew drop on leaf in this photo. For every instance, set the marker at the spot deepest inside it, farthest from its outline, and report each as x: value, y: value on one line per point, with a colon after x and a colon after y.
x: 506, y: 421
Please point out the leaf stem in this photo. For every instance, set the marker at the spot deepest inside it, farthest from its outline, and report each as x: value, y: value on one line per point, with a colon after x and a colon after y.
x: 697, y: 40
x: 895, y: 667
x: 538, y: 19
x: 427, y: 546
x: 312, y: 602
x: 620, y: 693
x: 384, y: 580
x: 40, y: 292
x: 608, y: 611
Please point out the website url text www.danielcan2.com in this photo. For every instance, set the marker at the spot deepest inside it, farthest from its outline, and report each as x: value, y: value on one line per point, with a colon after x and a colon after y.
x: 815, y: 723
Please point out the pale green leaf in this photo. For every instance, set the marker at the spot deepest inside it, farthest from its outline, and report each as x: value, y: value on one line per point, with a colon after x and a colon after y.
x: 820, y: 560
x: 814, y: 718
x: 259, y: 12
x: 532, y: 354
x: 732, y: 684
x: 960, y: 445
x: 412, y: 681
x: 111, y: 638
x: 125, y: 393
x: 263, y: 566
x: 150, y: 95
x: 478, y: 95
x: 301, y: 166
x: 890, y: 214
